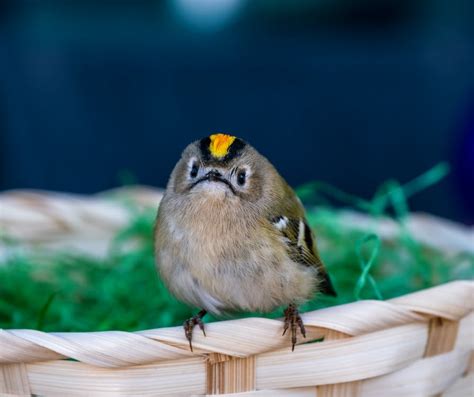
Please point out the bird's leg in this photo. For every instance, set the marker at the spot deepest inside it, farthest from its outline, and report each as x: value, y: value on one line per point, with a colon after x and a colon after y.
x: 293, y: 320
x: 189, y: 326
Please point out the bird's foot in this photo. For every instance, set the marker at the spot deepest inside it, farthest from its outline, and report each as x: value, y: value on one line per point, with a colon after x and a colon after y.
x: 189, y: 326
x: 292, y: 321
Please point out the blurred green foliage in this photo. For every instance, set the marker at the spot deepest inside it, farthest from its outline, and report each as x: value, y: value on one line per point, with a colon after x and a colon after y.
x: 71, y: 292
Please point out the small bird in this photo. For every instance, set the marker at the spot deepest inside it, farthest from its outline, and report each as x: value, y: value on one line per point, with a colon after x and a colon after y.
x: 231, y: 235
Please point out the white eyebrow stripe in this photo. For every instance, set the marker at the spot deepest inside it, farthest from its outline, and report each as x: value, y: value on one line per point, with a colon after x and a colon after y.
x: 248, y: 170
x: 191, y: 162
x: 282, y: 223
x: 301, y: 233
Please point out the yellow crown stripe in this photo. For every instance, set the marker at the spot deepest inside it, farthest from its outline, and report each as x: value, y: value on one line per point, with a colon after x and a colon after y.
x: 220, y: 144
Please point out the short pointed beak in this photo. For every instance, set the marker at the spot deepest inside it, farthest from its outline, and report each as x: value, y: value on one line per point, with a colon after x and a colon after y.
x: 214, y: 175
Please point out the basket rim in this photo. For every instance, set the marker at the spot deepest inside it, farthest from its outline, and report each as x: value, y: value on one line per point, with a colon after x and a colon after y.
x: 239, y: 338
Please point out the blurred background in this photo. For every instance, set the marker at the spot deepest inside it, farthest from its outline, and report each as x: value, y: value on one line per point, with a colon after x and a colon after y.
x: 95, y: 95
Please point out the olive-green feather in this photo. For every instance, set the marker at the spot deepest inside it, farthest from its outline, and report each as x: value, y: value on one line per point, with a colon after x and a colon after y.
x: 301, y: 246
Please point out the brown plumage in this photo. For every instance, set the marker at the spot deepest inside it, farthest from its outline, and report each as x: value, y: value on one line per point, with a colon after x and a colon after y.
x: 232, y: 235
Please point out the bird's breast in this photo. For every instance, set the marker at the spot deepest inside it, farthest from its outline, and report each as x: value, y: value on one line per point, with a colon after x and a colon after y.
x: 214, y: 230
x: 222, y: 258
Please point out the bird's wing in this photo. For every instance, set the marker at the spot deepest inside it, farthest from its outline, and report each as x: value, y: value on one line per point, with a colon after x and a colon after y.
x: 300, y: 243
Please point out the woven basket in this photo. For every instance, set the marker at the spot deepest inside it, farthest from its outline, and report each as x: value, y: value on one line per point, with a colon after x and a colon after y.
x: 416, y: 345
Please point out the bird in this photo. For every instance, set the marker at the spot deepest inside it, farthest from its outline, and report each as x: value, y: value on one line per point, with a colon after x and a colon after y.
x: 232, y: 236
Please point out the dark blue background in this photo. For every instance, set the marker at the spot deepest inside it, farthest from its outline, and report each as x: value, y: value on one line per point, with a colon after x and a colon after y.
x: 95, y: 95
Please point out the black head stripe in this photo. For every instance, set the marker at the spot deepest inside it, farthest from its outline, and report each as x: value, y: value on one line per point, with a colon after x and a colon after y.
x: 204, y: 144
x: 234, y: 150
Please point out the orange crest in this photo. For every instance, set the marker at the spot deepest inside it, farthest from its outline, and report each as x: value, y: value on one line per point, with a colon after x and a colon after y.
x: 220, y: 144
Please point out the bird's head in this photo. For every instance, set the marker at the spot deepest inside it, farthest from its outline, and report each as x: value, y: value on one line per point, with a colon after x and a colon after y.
x: 221, y: 166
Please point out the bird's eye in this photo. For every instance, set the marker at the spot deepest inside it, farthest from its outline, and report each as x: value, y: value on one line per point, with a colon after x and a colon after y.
x: 194, y: 170
x: 241, y: 177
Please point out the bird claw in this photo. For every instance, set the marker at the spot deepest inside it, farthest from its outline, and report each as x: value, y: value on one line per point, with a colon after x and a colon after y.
x: 293, y: 320
x: 189, y: 325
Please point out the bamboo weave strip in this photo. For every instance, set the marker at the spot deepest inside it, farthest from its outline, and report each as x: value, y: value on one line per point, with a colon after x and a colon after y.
x: 46, y: 216
x: 423, y: 378
x: 462, y: 387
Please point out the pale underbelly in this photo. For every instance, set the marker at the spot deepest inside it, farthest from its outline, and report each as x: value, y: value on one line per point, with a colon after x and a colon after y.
x: 221, y: 288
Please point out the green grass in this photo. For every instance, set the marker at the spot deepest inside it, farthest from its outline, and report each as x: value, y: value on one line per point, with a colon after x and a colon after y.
x: 72, y: 292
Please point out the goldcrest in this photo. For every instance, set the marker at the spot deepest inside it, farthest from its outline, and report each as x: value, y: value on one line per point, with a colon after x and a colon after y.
x: 231, y: 235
